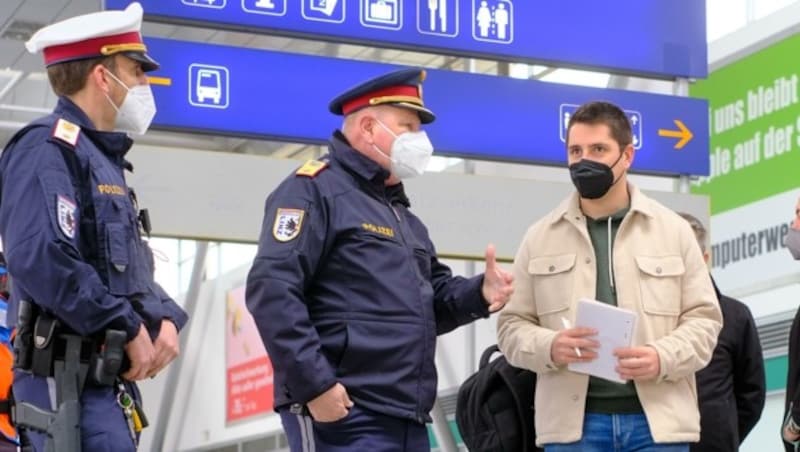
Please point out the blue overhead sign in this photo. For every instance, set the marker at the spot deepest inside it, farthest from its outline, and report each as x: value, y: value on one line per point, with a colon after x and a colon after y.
x: 658, y: 38
x: 281, y: 96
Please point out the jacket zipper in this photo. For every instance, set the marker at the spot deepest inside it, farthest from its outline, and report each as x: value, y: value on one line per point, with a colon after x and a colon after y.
x: 416, y: 271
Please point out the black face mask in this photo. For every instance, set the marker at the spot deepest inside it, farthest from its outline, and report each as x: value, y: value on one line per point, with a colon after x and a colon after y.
x: 592, y: 179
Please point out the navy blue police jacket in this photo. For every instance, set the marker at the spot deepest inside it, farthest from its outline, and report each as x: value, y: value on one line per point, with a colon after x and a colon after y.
x: 346, y: 287
x: 70, y: 229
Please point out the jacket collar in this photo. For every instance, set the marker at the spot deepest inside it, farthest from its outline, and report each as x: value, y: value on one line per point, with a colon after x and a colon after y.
x: 397, y: 195
x: 67, y: 109
x: 571, y: 208
x: 113, y: 144
x: 355, y: 162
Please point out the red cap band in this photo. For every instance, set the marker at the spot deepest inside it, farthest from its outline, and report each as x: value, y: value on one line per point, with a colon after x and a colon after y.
x: 364, y: 101
x: 87, y: 48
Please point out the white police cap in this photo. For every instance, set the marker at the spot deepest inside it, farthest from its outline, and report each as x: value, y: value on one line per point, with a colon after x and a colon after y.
x: 94, y: 35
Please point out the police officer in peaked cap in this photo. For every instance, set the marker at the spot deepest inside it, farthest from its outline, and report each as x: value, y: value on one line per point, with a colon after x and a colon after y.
x: 346, y: 289
x: 71, y: 229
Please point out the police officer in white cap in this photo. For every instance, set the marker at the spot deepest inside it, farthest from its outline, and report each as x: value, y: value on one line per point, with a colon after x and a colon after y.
x: 73, y: 236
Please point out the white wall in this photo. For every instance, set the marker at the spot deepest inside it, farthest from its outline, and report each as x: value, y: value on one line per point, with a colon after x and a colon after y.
x: 779, y: 299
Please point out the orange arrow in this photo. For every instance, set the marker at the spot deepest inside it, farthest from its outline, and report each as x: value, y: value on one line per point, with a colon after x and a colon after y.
x: 163, y: 81
x: 683, y: 133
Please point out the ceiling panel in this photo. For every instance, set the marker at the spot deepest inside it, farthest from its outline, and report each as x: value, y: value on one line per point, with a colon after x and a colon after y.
x: 8, y: 12
x: 9, y: 52
x: 63, y: 9
x: 158, y: 29
x: 192, y: 34
x: 40, y: 12
x: 266, y: 42
x: 33, y: 90
x: 47, y: 11
x: 233, y: 38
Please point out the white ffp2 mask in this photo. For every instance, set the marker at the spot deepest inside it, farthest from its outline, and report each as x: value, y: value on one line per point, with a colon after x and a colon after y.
x: 411, y: 152
x: 137, y: 110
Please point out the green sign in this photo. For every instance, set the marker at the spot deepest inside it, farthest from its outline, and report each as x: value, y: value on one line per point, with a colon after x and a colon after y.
x: 754, y: 122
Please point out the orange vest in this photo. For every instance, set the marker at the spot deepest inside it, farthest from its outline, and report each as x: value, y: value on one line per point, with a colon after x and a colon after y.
x: 6, y: 377
x: 6, y: 372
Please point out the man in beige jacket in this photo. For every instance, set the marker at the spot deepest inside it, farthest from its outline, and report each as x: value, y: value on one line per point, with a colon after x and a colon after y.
x: 610, y: 242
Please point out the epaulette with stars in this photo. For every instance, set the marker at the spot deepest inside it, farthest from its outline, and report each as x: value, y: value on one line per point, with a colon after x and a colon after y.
x: 311, y: 168
x: 66, y: 132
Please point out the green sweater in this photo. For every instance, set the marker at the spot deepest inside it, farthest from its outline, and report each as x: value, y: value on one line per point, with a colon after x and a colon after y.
x: 607, y: 396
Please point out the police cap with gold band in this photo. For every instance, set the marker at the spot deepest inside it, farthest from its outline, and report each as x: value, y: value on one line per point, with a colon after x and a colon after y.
x: 94, y: 35
x: 401, y: 88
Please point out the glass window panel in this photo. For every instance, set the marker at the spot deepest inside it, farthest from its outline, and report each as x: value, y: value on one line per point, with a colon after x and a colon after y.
x: 576, y: 77
x: 165, y: 253
x: 724, y: 16
x: 235, y: 255
x: 762, y: 8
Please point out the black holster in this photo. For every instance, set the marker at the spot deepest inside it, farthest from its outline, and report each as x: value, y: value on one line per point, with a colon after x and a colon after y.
x: 23, y: 341
x: 45, y: 348
x: 41, y: 341
x: 62, y: 427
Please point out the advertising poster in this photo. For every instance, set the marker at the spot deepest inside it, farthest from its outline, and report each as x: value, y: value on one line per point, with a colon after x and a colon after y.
x: 249, y: 378
x: 754, y: 124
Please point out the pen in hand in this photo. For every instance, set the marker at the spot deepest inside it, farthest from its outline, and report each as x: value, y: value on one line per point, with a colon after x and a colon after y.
x: 565, y: 322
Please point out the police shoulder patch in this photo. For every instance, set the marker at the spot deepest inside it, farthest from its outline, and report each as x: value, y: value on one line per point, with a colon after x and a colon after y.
x: 287, y: 224
x: 65, y: 212
x: 311, y: 168
x: 66, y: 132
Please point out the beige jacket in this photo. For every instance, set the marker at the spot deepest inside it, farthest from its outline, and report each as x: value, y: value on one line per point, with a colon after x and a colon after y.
x: 660, y: 274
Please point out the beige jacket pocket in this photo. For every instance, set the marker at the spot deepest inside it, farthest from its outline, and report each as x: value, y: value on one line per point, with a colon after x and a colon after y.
x: 553, y: 278
x: 660, y: 279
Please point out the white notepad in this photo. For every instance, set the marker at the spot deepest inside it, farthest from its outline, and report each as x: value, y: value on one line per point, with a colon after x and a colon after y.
x: 615, y: 328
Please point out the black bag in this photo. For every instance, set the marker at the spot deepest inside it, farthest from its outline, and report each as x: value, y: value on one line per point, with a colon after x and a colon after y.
x: 494, y: 409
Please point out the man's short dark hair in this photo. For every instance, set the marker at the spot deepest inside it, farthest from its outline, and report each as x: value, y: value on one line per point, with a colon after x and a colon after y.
x: 599, y: 112
x: 68, y: 78
x: 699, y: 230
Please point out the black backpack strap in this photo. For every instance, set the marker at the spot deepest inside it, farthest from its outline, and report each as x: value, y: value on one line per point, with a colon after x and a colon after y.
x: 487, y: 355
x: 522, y: 385
x: 494, y: 410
